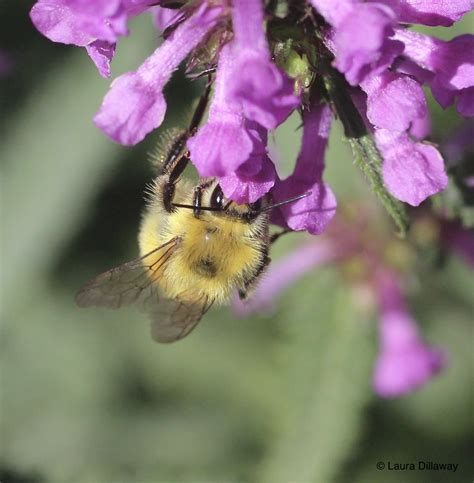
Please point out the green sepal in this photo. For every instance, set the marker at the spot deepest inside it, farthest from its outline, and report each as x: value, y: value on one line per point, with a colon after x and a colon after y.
x: 295, y: 65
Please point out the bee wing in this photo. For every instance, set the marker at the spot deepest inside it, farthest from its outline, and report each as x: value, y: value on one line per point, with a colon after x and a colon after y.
x: 134, y: 283
x: 173, y: 319
x: 126, y: 284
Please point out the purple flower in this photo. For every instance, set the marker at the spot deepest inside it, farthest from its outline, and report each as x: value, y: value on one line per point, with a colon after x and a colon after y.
x: 465, y: 104
x: 426, y: 12
x: 247, y: 185
x: 370, y: 50
x: 335, y: 11
x: 79, y: 22
x: 420, y: 128
x: 94, y: 24
x: 394, y: 101
x: 315, y: 211
x: 265, y: 92
x: 135, y: 104
x: 449, y: 66
x: 256, y: 176
x: 101, y: 52
x: 231, y: 147
x: 404, y: 362
x: 163, y: 17
x: 254, y: 87
x: 224, y: 143
x: 361, y: 51
x: 412, y: 171
x: 429, y: 12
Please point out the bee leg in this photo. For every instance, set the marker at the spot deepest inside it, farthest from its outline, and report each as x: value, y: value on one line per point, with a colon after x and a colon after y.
x: 178, y: 148
x: 197, y: 198
x: 200, y: 109
x: 250, y: 282
x: 178, y: 156
x: 275, y: 236
x: 169, y: 187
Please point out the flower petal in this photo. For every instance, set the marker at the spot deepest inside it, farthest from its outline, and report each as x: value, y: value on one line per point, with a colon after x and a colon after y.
x: 164, y: 17
x: 444, y: 97
x: 246, y: 186
x: 312, y: 213
x: 465, y: 104
x: 367, y: 51
x: 224, y: 142
x: 394, y: 101
x: 101, y: 53
x: 452, y: 64
x: 412, y: 171
x: 265, y: 91
x: 334, y: 11
x: 402, y: 370
x: 404, y: 362
x: 429, y: 12
x: 130, y: 109
x: 220, y: 146
x: 315, y: 211
x: 247, y: 22
x: 421, y: 128
x: 135, y: 104
x: 57, y: 21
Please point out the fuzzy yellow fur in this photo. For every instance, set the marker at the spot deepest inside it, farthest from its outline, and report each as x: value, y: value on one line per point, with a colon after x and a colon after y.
x: 231, y: 243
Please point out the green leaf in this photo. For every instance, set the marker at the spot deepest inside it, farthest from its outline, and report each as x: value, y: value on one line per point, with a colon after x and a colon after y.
x: 367, y: 159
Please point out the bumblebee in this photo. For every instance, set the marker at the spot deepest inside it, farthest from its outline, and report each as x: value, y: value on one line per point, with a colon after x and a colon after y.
x: 196, y: 249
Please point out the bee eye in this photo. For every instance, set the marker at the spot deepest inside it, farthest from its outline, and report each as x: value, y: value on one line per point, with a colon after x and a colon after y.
x: 217, y: 197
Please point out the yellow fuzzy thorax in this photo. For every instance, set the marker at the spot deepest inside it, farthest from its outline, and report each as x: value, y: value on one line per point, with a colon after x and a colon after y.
x: 214, y: 254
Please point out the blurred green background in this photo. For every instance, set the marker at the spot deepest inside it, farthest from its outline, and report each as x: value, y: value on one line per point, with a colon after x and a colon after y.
x: 86, y: 396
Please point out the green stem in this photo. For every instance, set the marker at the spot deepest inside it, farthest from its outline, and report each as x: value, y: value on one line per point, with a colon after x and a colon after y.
x: 328, y: 363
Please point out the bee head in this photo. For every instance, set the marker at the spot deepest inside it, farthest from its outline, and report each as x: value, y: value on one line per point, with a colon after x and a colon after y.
x: 209, y: 197
x: 224, y: 206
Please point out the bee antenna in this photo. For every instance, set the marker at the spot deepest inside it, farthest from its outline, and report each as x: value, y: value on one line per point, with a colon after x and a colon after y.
x: 190, y: 207
x: 285, y: 202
